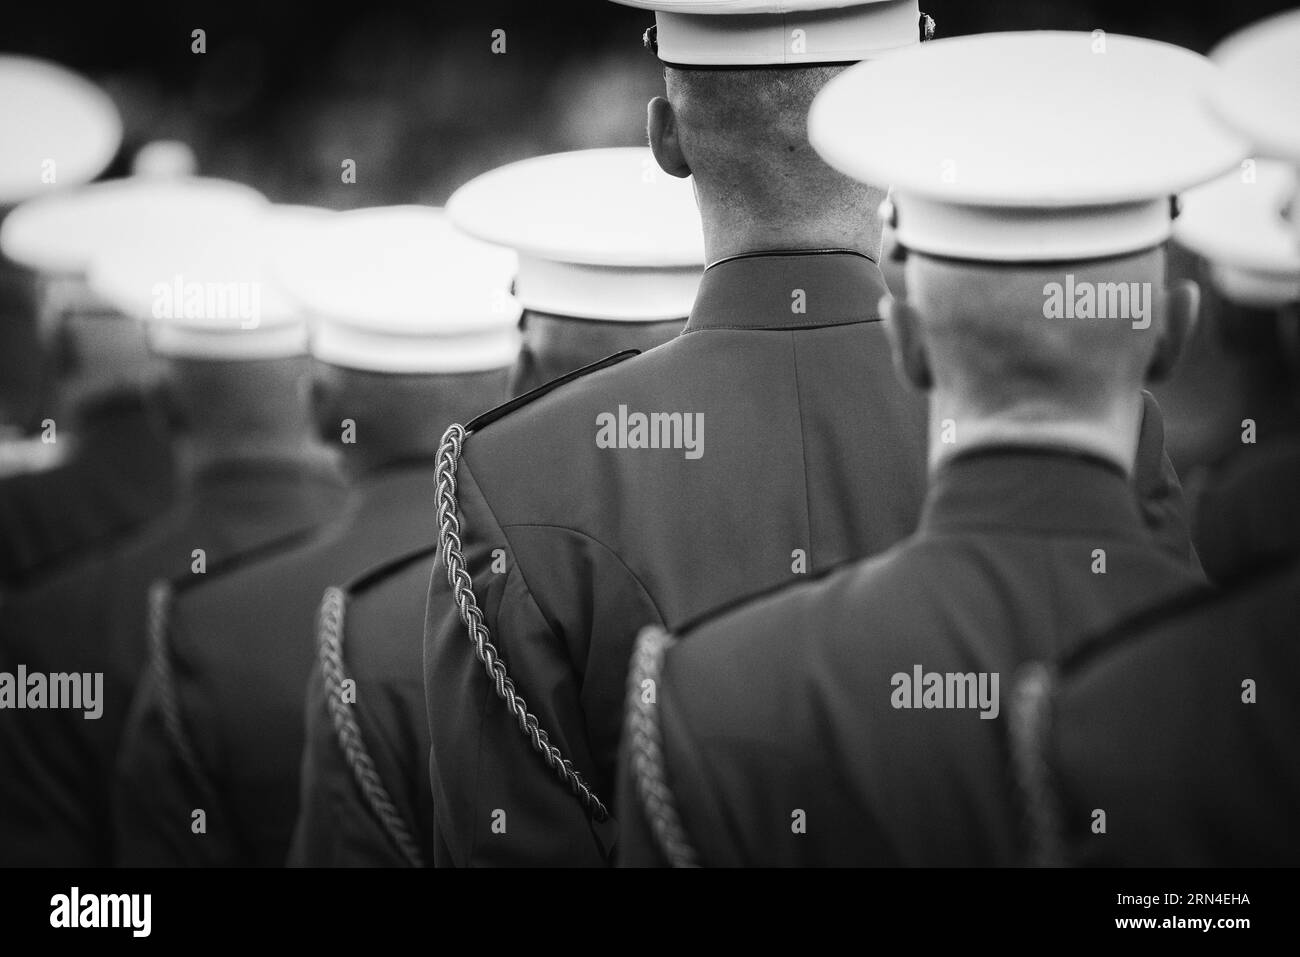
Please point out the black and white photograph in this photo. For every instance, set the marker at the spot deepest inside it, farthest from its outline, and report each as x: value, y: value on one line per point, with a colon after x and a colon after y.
x: 761, y: 435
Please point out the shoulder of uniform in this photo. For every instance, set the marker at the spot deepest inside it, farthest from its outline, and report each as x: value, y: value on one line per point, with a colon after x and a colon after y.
x: 800, y: 584
x: 378, y: 574
x: 227, y: 567
x: 492, y: 415
x: 336, y: 599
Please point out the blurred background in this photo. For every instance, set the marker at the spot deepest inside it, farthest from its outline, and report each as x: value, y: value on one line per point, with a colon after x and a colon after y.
x: 414, y: 94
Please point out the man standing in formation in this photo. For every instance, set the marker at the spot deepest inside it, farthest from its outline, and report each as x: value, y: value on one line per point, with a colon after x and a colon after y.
x: 858, y: 720
x: 769, y: 441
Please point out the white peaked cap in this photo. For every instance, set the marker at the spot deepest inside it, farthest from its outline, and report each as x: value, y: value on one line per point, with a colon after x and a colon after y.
x: 601, y: 234
x: 165, y: 158
x: 50, y: 114
x: 397, y: 289
x: 213, y: 295
x: 62, y: 233
x: 755, y: 33
x: 1236, y: 224
x: 1027, y: 147
x: 1258, y: 93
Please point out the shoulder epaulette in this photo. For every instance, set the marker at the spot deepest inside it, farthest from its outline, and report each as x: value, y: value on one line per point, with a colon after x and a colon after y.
x: 703, y: 618
x: 1038, y: 682
x: 518, y: 402
x: 161, y: 599
x: 386, y: 569
x: 227, y: 565
x: 351, y: 741
x: 645, y: 743
x: 1184, y: 604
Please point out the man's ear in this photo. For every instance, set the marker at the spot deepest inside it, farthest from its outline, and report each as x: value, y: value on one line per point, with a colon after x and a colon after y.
x: 1182, y: 305
x: 903, y: 327
x: 661, y: 127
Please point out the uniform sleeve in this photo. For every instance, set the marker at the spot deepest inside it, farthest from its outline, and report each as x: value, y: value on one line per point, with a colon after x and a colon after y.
x: 637, y: 846
x: 45, y: 517
x: 496, y: 801
x: 156, y: 800
x: 336, y: 826
x: 313, y: 842
x: 682, y: 772
x: 1160, y: 494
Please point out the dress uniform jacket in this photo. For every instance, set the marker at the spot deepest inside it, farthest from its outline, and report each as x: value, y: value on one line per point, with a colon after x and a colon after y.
x: 799, y: 729
x: 1247, y: 514
x: 347, y: 818
x: 241, y: 645
x: 1150, y: 722
x: 350, y: 818
x: 119, y: 475
x: 1181, y: 729
x: 24, y: 373
x: 343, y: 821
x: 90, y: 617
x: 554, y: 346
x: 813, y: 452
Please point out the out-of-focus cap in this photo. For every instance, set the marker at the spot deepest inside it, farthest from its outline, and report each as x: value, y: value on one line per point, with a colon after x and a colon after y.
x: 57, y: 129
x: 398, y: 289
x: 1236, y: 224
x: 601, y: 234
x: 212, y: 295
x: 61, y: 234
x: 165, y: 158
x: 1258, y: 92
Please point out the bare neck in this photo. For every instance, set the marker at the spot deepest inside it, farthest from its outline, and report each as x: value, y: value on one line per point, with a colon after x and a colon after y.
x: 1112, y: 434
x: 732, y: 232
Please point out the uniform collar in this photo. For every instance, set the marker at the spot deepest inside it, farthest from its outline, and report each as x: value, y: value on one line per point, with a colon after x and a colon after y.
x: 1035, y: 490
x: 396, y: 488
x: 219, y: 475
x: 799, y: 289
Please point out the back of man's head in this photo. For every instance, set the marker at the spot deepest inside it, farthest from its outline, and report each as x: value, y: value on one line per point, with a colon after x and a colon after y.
x: 398, y: 417
x: 1037, y: 343
x: 251, y: 403
x: 99, y: 354
x: 743, y: 135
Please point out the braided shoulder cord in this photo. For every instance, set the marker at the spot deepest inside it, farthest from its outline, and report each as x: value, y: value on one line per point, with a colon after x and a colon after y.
x: 462, y: 592
x: 1030, y: 725
x: 329, y: 646
x: 160, y: 600
x: 646, y: 744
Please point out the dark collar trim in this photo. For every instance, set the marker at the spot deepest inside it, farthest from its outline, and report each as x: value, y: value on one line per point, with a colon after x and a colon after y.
x: 900, y: 253
x: 753, y: 291
x: 783, y: 290
x: 774, y: 253
x: 1010, y: 449
x: 715, y: 68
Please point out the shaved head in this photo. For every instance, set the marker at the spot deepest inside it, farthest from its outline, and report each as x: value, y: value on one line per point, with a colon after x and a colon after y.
x: 241, y: 399
x: 1039, y: 354
x: 989, y: 340
x: 743, y: 135
x: 399, y: 415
